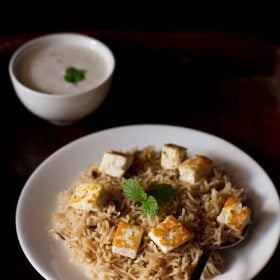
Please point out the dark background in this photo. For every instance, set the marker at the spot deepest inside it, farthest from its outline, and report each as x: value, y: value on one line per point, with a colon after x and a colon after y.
x: 264, y: 23
x: 224, y: 92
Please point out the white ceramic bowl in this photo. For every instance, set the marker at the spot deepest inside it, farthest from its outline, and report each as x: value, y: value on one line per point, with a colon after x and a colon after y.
x: 62, y: 109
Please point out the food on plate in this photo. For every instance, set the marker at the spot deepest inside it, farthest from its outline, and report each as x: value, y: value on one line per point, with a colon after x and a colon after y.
x: 115, y: 163
x: 172, y: 155
x: 193, y: 169
x: 234, y: 215
x: 88, y: 196
x: 132, y: 217
x: 127, y: 240
x: 169, y: 234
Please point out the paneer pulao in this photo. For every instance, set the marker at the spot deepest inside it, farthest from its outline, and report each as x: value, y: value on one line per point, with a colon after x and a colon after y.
x: 144, y: 214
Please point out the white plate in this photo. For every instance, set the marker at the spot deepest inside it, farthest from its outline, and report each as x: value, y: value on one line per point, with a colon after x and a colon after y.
x: 38, y: 198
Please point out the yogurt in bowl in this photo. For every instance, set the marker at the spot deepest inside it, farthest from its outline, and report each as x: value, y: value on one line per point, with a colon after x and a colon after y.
x: 43, y: 69
x: 62, y: 77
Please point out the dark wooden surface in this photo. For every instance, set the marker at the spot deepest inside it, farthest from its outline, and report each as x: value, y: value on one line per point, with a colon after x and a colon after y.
x: 219, y: 82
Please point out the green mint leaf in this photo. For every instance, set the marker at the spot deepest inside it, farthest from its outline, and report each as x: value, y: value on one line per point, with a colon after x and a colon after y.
x: 149, y: 207
x: 163, y: 193
x: 74, y: 75
x: 133, y: 191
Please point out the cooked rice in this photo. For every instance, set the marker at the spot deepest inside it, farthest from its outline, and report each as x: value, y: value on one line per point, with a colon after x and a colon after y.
x: 90, y: 234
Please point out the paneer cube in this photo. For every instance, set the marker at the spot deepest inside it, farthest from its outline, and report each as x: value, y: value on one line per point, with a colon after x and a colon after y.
x: 127, y: 240
x: 88, y: 196
x: 169, y: 234
x: 172, y: 155
x: 234, y: 215
x: 195, y: 168
x: 115, y: 163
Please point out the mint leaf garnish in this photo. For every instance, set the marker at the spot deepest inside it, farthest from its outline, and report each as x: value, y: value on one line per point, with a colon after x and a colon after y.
x: 133, y: 191
x: 149, y: 207
x: 74, y: 75
x: 159, y: 194
x: 163, y: 193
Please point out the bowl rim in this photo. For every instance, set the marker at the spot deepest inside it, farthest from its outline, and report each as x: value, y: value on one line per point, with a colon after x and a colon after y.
x: 35, y: 40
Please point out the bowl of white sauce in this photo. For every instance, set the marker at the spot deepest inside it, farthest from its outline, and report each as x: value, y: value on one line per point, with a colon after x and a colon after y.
x: 62, y: 77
